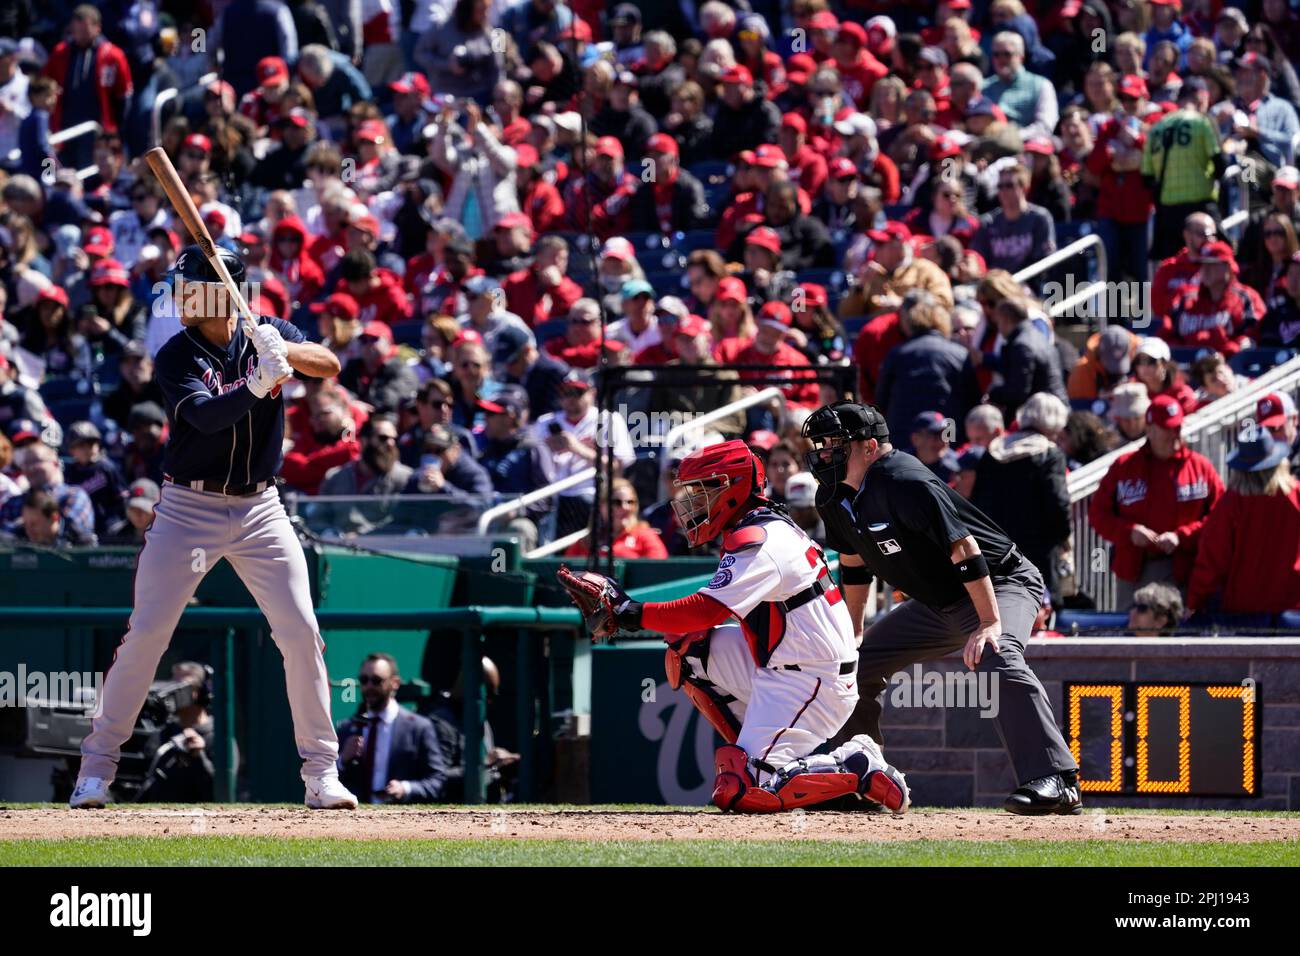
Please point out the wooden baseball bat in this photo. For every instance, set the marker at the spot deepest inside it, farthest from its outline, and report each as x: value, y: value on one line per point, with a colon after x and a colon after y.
x: 182, y: 202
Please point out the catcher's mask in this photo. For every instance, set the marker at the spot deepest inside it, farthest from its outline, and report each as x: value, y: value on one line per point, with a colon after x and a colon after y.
x: 831, y: 429
x: 717, y: 484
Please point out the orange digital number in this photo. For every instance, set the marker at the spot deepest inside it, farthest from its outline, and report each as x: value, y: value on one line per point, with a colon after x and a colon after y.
x: 1115, y: 693
x: 1246, y: 694
x: 1184, y: 782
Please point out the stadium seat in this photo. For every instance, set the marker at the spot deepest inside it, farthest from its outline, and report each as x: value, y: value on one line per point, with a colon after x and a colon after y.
x: 1186, y: 356
x: 696, y: 239
x: 72, y: 409
x: 407, y: 333
x: 853, y: 325
x: 1253, y: 363
x: 667, y: 283
x: 712, y: 171
x: 1289, y: 621
x: 65, y: 387
x: 1098, y: 406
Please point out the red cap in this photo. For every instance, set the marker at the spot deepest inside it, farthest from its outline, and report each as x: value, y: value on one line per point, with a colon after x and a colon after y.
x: 198, y: 141
x: 854, y: 32
x: 823, y: 20
x: 297, y: 117
x: 769, y: 156
x: 738, y: 74
x: 466, y: 335
x: 814, y: 295
x: 53, y: 293
x: 774, y: 314
x: 1133, y: 85
x: 526, y: 156
x: 579, y: 29
x: 514, y: 220
x: 803, y: 62
x: 1270, y: 412
x: 1253, y: 61
x: 410, y: 83
x: 942, y: 148
x: 99, y: 241
x: 340, y: 304
x: 609, y: 146
x: 795, y: 121
x: 371, y: 131
x: 109, y: 272
x: 890, y: 232
x: 764, y: 237
x: 745, y: 157
x: 730, y: 287
x: 272, y: 70
x: 1216, y: 252
x: 1165, y: 412
x: 841, y: 167
x: 661, y: 143
x: 173, y: 240
x: 216, y: 219
x: 1040, y: 145
x: 377, y: 329
x: 959, y: 4
x: 693, y: 325
x: 764, y: 439
x: 366, y: 223
x: 618, y: 247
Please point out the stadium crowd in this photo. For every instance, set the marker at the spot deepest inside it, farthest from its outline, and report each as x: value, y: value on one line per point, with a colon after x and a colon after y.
x: 479, y: 205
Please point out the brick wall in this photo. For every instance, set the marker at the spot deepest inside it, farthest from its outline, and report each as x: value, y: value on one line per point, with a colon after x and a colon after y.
x: 954, y: 757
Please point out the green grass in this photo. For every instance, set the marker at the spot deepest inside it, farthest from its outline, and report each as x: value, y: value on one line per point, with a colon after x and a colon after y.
x: 270, y: 851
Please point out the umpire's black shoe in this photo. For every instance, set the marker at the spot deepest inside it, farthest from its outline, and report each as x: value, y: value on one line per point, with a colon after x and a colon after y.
x: 1055, y: 793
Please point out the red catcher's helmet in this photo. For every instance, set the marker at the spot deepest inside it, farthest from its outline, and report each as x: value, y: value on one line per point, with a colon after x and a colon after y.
x: 718, y: 481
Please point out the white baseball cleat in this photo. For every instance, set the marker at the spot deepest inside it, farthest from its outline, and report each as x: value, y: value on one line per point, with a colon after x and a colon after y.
x: 91, y: 794
x: 326, y: 793
x: 881, y: 784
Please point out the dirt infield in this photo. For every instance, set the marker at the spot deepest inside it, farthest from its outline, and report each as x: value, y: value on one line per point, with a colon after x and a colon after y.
x: 400, y: 823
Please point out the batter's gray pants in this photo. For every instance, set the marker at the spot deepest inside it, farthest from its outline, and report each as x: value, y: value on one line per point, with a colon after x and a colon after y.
x: 914, y: 632
x: 191, y: 532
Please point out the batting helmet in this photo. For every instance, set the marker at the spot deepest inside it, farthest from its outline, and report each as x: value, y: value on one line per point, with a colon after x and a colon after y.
x: 720, y: 481
x: 831, y: 428
x: 193, y: 266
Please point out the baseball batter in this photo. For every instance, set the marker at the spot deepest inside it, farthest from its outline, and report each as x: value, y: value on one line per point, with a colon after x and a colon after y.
x: 783, y: 681
x: 219, y: 500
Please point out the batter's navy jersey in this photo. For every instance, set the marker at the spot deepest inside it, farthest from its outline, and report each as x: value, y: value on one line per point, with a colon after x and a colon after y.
x: 903, y: 522
x: 219, y: 430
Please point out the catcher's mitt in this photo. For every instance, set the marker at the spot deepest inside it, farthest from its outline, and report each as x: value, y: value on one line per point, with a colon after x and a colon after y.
x: 598, y: 598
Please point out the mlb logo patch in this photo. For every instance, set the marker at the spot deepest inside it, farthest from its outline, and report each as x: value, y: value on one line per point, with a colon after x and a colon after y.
x: 889, y: 546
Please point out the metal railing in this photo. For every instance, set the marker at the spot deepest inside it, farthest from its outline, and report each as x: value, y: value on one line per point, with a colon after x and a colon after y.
x: 1241, y: 193
x: 1095, y: 289
x: 89, y: 127
x: 1212, y: 431
x: 674, y: 434
x: 515, y: 505
x: 165, y: 97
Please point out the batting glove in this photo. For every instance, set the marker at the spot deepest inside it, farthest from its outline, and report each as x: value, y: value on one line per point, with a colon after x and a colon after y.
x: 271, y: 369
x: 267, y: 338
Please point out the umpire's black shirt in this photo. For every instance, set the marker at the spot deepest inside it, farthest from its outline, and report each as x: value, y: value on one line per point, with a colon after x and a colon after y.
x: 903, y: 522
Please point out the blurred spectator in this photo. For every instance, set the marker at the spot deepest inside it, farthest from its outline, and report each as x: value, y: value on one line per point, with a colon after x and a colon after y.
x: 1276, y: 412
x: 929, y: 438
x: 542, y: 290
x: 1151, y: 505
x: 1181, y: 269
x: 688, y: 393
x: 983, y: 423
x: 505, y: 448
x: 1128, y: 410
x: 486, y: 313
x: 1028, y: 361
x: 1020, y: 484
x: 332, y: 441
x: 622, y: 117
x: 967, y: 470
x: 926, y: 372
x: 1258, y: 515
x: 892, y: 272
x: 1218, y: 311
x: 482, y: 169
x: 600, y: 201
x: 75, y: 520
x: 1018, y: 233
x: 638, y: 329
x: 1284, y: 200
x: 95, y: 82
x: 743, y: 119
x: 1179, y: 162
x: 516, y: 360
x: 36, y: 155
x: 1267, y: 270
x: 805, y: 243
x: 568, y: 441
x: 1156, y: 611
x: 1123, y: 200
x: 1085, y: 439
x: 433, y: 405
x: 1213, y: 379
x: 97, y: 476
x: 1281, y: 325
x: 143, y: 457
x: 471, y: 380
x: 1155, y: 368
x: 377, y: 473
x: 388, y: 754
x: 769, y: 347
x: 137, y: 384
x: 1028, y: 99
x: 688, y: 123
x: 1271, y: 122
x: 117, y: 317
x: 339, y: 326
x: 579, y: 347
x: 142, y: 498
x: 783, y: 463
x: 512, y: 237
x: 632, y: 537
x: 16, y: 400
x: 673, y: 199
x: 52, y: 337
x: 1106, y: 362
x: 446, y: 468
x: 377, y: 291
x: 379, y: 376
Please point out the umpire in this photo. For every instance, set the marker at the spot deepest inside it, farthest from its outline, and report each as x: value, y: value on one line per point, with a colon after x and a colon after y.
x: 889, y: 515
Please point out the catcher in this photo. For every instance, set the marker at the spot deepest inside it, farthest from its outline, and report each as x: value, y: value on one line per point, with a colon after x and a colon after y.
x: 780, y: 684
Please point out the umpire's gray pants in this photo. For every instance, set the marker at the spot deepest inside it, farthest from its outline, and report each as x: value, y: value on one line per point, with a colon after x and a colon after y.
x: 914, y: 632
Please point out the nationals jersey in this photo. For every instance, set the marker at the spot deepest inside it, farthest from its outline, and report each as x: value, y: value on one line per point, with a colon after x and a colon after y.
x: 774, y: 578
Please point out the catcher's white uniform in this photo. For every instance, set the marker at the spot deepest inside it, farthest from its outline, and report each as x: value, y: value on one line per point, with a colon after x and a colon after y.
x: 791, y: 664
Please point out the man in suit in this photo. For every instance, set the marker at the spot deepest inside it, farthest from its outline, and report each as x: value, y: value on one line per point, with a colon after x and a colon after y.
x: 388, y: 754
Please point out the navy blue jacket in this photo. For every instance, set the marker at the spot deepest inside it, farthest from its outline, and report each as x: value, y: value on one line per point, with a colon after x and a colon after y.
x: 414, y: 757
x: 927, y: 373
